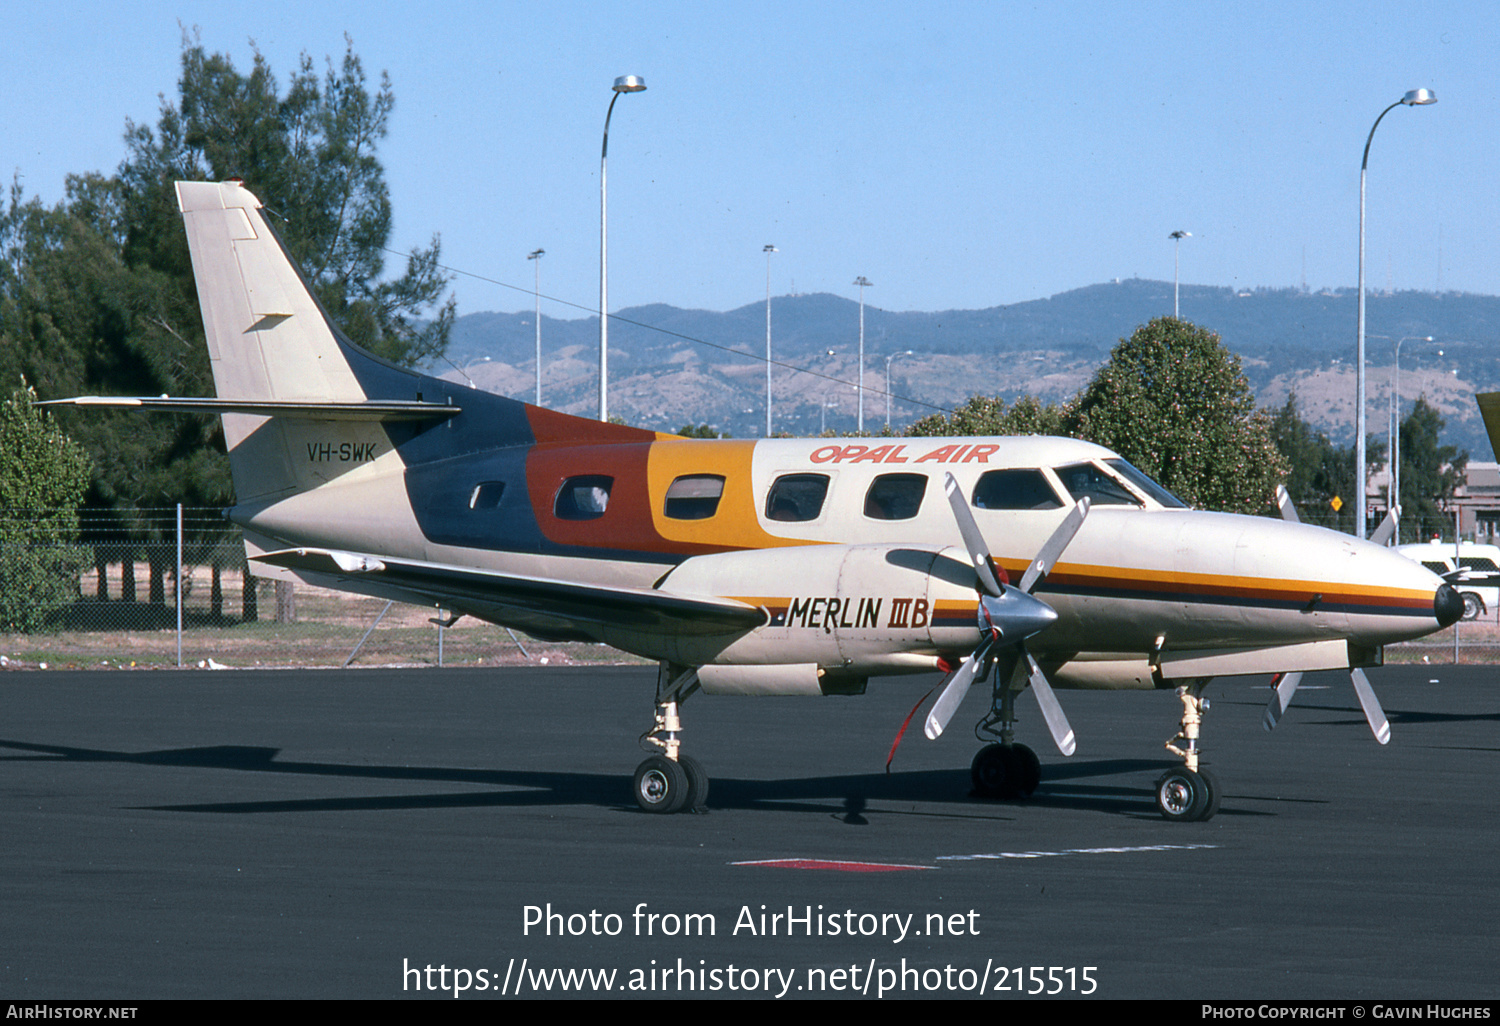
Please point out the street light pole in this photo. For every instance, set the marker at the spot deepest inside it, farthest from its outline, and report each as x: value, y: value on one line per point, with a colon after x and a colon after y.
x: 888, y: 360
x: 1177, y: 238
x: 1395, y: 440
x: 863, y: 284
x: 768, y: 250
x: 1415, y: 98
x: 623, y: 84
x: 537, y: 255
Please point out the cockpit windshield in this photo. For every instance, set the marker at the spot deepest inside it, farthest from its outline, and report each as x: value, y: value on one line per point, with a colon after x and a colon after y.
x: 1145, y: 484
x: 1104, y: 489
x: 1089, y: 479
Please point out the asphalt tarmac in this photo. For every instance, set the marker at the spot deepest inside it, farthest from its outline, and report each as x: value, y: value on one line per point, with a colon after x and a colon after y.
x: 334, y: 834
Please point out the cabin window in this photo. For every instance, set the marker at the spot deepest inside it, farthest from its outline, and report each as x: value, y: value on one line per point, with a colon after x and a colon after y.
x: 797, y: 498
x: 895, y: 496
x: 1015, y: 489
x: 486, y: 495
x: 1146, y: 484
x: 1478, y: 563
x: 694, y: 496
x: 1435, y: 567
x: 1085, y: 479
x: 583, y: 498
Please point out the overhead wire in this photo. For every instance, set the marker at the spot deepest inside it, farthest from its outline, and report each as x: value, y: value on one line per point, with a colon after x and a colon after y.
x: 688, y: 338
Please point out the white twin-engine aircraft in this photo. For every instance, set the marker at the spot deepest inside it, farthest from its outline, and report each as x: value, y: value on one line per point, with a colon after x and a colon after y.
x: 796, y: 566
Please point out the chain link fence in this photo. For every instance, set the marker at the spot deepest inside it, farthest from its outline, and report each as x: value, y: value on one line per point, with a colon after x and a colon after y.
x: 125, y: 603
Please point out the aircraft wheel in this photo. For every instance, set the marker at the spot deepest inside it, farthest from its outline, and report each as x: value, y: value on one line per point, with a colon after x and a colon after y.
x: 1472, y: 606
x: 991, y: 771
x: 1214, y: 793
x: 1028, y: 770
x: 661, y: 785
x: 1181, y: 795
x: 697, y: 778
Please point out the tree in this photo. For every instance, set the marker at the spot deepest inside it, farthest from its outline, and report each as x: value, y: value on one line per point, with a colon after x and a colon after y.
x: 1172, y: 400
x: 43, y: 477
x: 1429, y: 472
x: 309, y: 155
x: 983, y: 415
x: 1319, y: 471
x: 97, y: 293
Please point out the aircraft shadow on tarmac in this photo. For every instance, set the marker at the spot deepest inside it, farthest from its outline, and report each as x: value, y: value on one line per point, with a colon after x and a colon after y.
x: 944, y: 793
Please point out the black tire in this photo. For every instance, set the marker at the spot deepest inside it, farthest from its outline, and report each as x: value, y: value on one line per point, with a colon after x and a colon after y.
x: 661, y: 786
x: 1472, y: 606
x: 1181, y: 795
x: 697, y: 778
x: 991, y: 772
x: 1028, y: 770
x: 1214, y: 793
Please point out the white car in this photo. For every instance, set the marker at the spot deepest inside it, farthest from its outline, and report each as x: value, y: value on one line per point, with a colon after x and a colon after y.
x: 1475, y: 571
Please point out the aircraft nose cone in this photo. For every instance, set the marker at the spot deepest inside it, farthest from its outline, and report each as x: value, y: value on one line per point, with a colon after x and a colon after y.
x: 1447, y: 606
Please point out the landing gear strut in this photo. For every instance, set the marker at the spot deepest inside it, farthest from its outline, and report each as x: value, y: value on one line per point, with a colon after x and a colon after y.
x: 670, y: 781
x: 1003, y: 769
x: 1192, y: 792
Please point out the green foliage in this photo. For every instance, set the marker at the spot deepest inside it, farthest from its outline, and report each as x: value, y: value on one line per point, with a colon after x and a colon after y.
x: 1429, y: 472
x: 983, y: 415
x: 1172, y: 400
x: 1318, y: 470
x: 97, y: 294
x: 701, y: 431
x: 43, y: 476
x: 309, y: 155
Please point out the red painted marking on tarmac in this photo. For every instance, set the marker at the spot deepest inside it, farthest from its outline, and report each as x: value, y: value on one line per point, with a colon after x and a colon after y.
x: 842, y: 867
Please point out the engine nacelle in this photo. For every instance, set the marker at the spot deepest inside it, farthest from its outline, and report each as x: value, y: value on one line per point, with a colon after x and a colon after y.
x: 848, y: 610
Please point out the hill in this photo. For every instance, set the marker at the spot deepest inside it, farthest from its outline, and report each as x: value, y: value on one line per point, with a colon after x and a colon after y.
x: 670, y: 366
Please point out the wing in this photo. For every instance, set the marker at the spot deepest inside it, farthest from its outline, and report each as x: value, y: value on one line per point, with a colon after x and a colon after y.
x: 548, y: 607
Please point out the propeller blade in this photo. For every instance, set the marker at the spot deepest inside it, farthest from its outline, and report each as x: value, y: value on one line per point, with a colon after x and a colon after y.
x: 1284, y: 503
x: 958, y: 686
x: 1387, y: 528
x: 1050, y: 552
x: 1057, y: 722
x: 1374, y: 715
x: 1281, y: 698
x: 979, y: 553
x: 1016, y: 615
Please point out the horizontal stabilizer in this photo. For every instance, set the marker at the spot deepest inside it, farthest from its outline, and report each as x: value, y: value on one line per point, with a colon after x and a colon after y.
x: 487, y: 594
x: 365, y: 410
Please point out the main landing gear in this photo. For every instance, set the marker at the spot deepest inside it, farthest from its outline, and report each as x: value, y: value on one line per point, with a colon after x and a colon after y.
x: 1003, y: 769
x: 1191, y: 792
x: 670, y: 781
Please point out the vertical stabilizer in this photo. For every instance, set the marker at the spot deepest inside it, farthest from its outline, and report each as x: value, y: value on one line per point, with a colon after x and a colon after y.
x: 268, y: 339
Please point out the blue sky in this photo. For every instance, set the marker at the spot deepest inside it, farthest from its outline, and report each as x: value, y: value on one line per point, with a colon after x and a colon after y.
x: 959, y: 155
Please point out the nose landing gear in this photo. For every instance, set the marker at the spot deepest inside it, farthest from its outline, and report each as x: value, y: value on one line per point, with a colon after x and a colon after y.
x: 1191, y: 793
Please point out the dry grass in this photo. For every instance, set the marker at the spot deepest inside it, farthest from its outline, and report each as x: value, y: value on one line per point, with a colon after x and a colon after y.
x: 328, y: 627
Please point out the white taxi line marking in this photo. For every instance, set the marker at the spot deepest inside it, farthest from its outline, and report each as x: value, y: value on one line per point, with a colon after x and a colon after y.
x: 1072, y: 851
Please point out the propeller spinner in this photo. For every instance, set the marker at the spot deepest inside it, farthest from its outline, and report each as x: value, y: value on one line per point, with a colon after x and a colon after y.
x: 1008, y: 615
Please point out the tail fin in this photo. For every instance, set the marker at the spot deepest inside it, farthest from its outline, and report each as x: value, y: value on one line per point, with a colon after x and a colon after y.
x: 302, y: 405
x: 267, y: 336
x: 268, y: 341
x: 1489, y: 409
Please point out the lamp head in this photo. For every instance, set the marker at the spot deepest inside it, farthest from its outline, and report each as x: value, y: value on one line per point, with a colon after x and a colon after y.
x: 636, y: 84
x: 1419, y: 98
